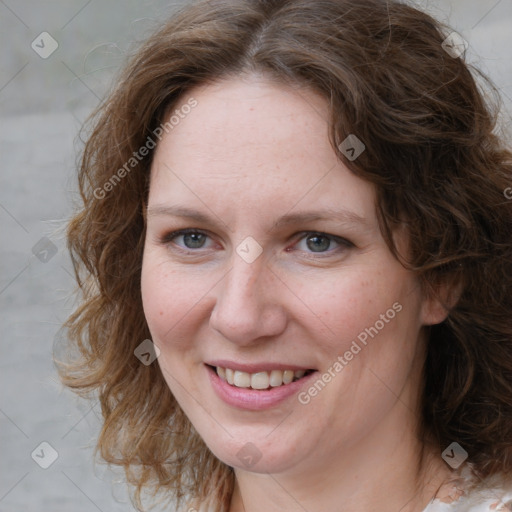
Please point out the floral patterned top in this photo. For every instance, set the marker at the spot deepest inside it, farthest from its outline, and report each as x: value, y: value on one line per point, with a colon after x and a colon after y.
x: 465, y: 493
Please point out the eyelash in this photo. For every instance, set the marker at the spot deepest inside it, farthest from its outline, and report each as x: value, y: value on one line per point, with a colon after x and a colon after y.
x: 344, y: 243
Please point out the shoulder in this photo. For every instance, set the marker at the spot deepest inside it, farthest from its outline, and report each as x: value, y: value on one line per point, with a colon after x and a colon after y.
x: 466, y: 493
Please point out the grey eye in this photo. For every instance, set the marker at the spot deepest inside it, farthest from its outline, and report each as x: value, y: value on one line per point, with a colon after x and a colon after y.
x: 318, y: 243
x: 194, y: 240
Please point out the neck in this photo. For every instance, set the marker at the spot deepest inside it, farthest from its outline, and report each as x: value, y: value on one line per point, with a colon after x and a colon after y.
x: 371, y: 475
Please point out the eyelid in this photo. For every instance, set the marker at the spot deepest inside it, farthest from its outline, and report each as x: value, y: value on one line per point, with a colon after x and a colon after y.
x: 338, y: 239
x: 169, y: 237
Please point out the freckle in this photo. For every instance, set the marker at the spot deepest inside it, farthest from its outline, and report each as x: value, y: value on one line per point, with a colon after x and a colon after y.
x: 161, y: 313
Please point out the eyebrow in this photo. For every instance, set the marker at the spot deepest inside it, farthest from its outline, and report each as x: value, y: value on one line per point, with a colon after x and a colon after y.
x: 342, y: 216
x: 177, y: 211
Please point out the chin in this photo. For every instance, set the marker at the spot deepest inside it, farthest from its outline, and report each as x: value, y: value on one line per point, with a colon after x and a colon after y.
x: 256, y: 452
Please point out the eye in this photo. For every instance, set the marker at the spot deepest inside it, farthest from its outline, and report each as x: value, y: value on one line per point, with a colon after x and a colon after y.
x: 190, y: 239
x: 322, y: 243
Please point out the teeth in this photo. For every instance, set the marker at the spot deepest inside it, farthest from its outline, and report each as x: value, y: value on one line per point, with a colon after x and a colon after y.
x: 287, y: 376
x: 242, y: 380
x: 276, y: 378
x: 259, y: 380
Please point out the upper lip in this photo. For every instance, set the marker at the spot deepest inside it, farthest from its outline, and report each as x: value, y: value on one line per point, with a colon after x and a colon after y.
x: 256, y: 367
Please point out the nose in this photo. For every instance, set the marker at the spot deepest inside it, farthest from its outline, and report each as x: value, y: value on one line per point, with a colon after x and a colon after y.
x: 248, y: 305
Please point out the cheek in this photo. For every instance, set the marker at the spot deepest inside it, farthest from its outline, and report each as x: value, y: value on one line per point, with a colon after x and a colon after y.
x: 174, y: 310
x: 170, y: 300
x: 378, y: 327
x: 342, y: 306
x: 373, y: 326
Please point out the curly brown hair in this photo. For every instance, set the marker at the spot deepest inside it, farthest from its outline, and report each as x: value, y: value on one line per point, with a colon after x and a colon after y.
x: 436, y: 161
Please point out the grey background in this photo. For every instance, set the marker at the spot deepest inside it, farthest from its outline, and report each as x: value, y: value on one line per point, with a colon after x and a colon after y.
x: 42, y: 105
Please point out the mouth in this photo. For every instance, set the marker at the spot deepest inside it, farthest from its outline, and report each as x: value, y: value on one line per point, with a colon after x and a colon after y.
x: 259, y: 380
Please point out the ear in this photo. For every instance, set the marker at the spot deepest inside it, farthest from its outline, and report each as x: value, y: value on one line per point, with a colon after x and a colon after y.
x: 439, y: 300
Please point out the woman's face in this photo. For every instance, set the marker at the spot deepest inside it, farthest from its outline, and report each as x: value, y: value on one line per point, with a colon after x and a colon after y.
x: 282, y: 270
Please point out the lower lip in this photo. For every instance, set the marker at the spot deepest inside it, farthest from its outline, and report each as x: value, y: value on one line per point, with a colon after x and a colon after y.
x: 253, y: 399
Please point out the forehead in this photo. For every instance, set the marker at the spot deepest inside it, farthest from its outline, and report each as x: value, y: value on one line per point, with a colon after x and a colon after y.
x: 250, y: 117
x: 257, y: 143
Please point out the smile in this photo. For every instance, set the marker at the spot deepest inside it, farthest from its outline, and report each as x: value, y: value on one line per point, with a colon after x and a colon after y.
x: 257, y: 386
x: 261, y: 380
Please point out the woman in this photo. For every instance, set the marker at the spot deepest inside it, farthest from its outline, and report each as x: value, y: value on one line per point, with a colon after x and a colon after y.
x: 295, y: 256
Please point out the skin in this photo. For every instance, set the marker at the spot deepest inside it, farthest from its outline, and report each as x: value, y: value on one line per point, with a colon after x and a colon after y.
x: 250, y: 152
